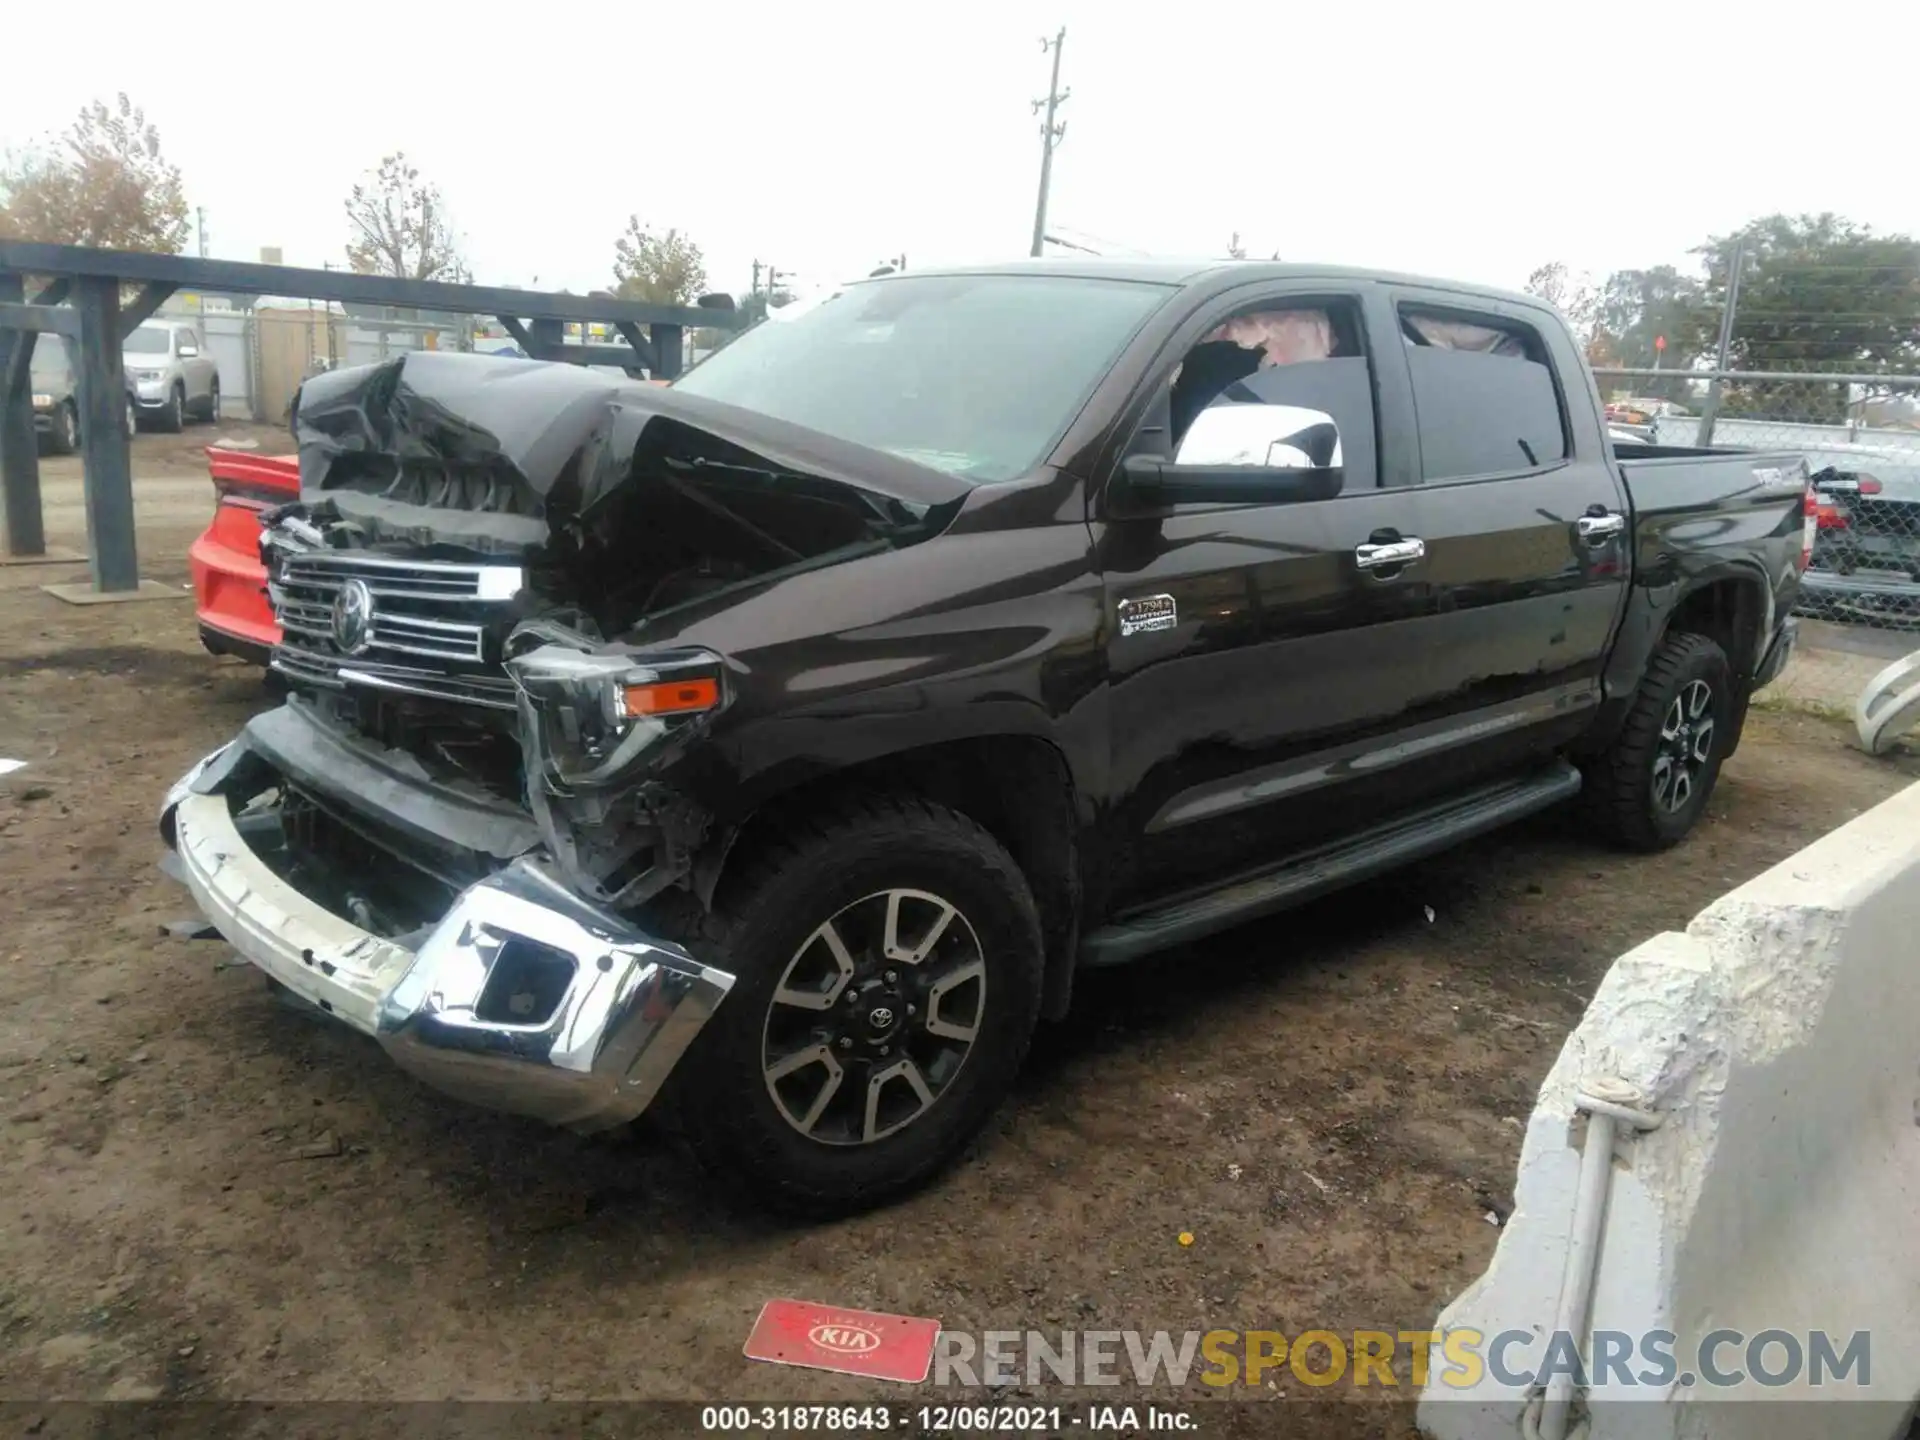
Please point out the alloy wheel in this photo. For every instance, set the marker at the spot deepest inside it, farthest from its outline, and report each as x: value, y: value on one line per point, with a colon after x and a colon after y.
x: 873, y: 1017
x: 1686, y: 747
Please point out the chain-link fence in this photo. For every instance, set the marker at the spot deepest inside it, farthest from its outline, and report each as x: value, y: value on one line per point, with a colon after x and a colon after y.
x: 1861, y: 439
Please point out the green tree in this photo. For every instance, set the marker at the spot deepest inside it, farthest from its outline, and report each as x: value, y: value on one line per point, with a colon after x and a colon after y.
x: 756, y: 305
x: 101, y: 182
x: 1817, y: 293
x: 659, y: 269
x: 1634, y: 309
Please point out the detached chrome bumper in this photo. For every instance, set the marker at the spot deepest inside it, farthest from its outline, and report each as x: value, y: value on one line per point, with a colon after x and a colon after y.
x: 522, y: 998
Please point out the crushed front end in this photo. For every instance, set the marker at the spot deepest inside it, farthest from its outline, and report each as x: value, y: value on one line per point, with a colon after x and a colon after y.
x: 433, y: 920
x: 458, y: 832
x: 442, y: 837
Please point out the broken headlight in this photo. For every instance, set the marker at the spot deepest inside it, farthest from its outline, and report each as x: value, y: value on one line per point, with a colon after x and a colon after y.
x: 589, y: 712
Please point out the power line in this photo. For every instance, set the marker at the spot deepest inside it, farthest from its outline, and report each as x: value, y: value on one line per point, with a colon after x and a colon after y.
x: 1051, y: 133
x: 1100, y: 239
x: 1069, y: 245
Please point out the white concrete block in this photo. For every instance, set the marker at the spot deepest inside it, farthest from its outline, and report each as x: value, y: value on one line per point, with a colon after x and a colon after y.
x: 1779, y: 1037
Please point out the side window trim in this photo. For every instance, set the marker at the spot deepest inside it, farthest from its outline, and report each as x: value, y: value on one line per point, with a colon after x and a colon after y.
x: 1482, y: 309
x: 1205, y: 318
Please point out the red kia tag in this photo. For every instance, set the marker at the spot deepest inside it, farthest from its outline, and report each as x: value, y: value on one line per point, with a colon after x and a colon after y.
x: 854, y: 1342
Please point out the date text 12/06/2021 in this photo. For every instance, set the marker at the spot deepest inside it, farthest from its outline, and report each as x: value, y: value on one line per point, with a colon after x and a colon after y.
x: 945, y: 1419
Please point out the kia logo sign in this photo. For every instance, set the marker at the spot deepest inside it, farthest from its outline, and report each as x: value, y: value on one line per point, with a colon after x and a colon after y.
x: 844, y: 1339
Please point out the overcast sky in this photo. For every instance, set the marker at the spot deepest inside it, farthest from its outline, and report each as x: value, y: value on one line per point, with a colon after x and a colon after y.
x: 1470, y: 140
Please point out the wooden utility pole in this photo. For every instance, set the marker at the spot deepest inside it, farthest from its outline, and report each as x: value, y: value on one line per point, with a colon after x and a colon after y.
x: 1051, y: 134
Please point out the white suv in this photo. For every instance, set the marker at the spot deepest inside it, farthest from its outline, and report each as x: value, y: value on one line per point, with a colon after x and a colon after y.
x: 171, y: 373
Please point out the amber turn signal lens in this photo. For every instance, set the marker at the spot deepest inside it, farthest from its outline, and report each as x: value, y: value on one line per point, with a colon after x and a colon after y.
x: 670, y: 697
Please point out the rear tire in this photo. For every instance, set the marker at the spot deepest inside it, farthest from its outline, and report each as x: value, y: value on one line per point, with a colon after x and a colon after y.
x: 1651, y: 786
x: 891, y: 1094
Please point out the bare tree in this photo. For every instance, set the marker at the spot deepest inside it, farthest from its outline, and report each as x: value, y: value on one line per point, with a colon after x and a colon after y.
x: 398, y: 226
x: 660, y: 269
x: 102, y: 182
x: 1573, y: 297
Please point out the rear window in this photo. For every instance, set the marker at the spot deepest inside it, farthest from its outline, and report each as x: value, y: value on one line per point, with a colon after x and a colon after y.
x: 1484, y: 396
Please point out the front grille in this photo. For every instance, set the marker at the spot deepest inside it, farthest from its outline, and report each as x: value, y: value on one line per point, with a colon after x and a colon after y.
x: 403, y: 579
x: 420, y: 611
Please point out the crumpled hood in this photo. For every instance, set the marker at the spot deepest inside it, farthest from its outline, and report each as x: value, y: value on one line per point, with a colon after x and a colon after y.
x: 502, y: 443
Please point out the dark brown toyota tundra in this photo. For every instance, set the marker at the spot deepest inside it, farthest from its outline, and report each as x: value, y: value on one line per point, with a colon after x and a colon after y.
x: 781, y: 746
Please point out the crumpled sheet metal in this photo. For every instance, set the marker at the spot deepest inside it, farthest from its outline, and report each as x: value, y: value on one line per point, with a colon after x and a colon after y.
x: 436, y: 430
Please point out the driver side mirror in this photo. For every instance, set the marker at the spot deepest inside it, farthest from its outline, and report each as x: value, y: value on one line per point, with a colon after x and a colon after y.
x: 1243, y: 454
x: 187, y: 352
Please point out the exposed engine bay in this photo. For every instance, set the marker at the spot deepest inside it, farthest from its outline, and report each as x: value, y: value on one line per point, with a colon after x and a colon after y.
x: 479, y: 550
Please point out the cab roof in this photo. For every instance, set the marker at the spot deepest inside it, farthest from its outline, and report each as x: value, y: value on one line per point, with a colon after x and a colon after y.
x: 1209, y: 275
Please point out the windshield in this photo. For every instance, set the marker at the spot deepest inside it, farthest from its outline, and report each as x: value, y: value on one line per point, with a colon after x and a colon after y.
x: 147, y: 340
x: 975, y: 375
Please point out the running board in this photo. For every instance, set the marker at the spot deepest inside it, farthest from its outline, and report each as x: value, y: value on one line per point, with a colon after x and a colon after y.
x: 1332, y: 867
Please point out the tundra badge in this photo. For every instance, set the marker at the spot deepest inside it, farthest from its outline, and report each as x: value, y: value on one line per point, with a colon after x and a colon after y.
x: 1148, y: 612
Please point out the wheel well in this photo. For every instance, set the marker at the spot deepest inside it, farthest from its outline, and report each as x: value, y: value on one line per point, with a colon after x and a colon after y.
x: 1017, y: 788
x: 1728, y: 613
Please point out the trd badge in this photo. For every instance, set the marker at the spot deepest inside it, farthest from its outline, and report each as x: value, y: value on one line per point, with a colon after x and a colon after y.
x: 1148, y: 612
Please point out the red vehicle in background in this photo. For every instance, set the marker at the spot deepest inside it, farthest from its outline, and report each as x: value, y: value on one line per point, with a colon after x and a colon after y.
x: 229, y: 582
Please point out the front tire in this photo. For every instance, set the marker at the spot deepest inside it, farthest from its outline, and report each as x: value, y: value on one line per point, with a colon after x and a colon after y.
x: 888, y: 964
x: 174, y: 417
x: 1652, y: 784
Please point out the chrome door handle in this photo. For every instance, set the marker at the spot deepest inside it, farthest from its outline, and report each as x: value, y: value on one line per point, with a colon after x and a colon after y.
x: 1379, y: 557
x: 1599, y: 527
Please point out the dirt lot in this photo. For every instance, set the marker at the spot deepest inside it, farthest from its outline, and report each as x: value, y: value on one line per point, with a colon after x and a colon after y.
x: 172, y: 492
x: 1329, y: 1102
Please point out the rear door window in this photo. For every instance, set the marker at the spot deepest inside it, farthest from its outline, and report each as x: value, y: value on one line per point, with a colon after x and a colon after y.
x: 1484, y: 395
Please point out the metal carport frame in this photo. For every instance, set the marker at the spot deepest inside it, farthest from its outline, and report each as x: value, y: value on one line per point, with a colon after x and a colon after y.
x: 82, y: 298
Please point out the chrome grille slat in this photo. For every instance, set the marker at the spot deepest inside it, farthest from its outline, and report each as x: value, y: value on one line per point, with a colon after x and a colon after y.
x: 414, y: 618
x: 404, y: 579
x: 494, y: 694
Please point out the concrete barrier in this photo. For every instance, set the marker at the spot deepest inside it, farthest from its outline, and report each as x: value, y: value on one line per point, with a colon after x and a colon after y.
x: 1776, y: 1044
x: 1889, y: 706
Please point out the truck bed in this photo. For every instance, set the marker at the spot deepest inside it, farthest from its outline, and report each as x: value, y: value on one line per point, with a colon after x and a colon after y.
x: 1692, y: 479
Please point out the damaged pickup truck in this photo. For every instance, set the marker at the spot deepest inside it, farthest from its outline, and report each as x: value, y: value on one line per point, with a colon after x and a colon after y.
x: 779, y: 746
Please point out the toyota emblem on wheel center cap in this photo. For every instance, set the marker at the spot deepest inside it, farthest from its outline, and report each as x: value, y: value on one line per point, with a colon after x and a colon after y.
x: 353, y: 617
x: 880, y: 1017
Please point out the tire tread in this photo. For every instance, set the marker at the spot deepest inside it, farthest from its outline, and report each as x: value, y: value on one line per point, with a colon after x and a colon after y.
x: 1615, y: 792
x: 723, y: 1139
